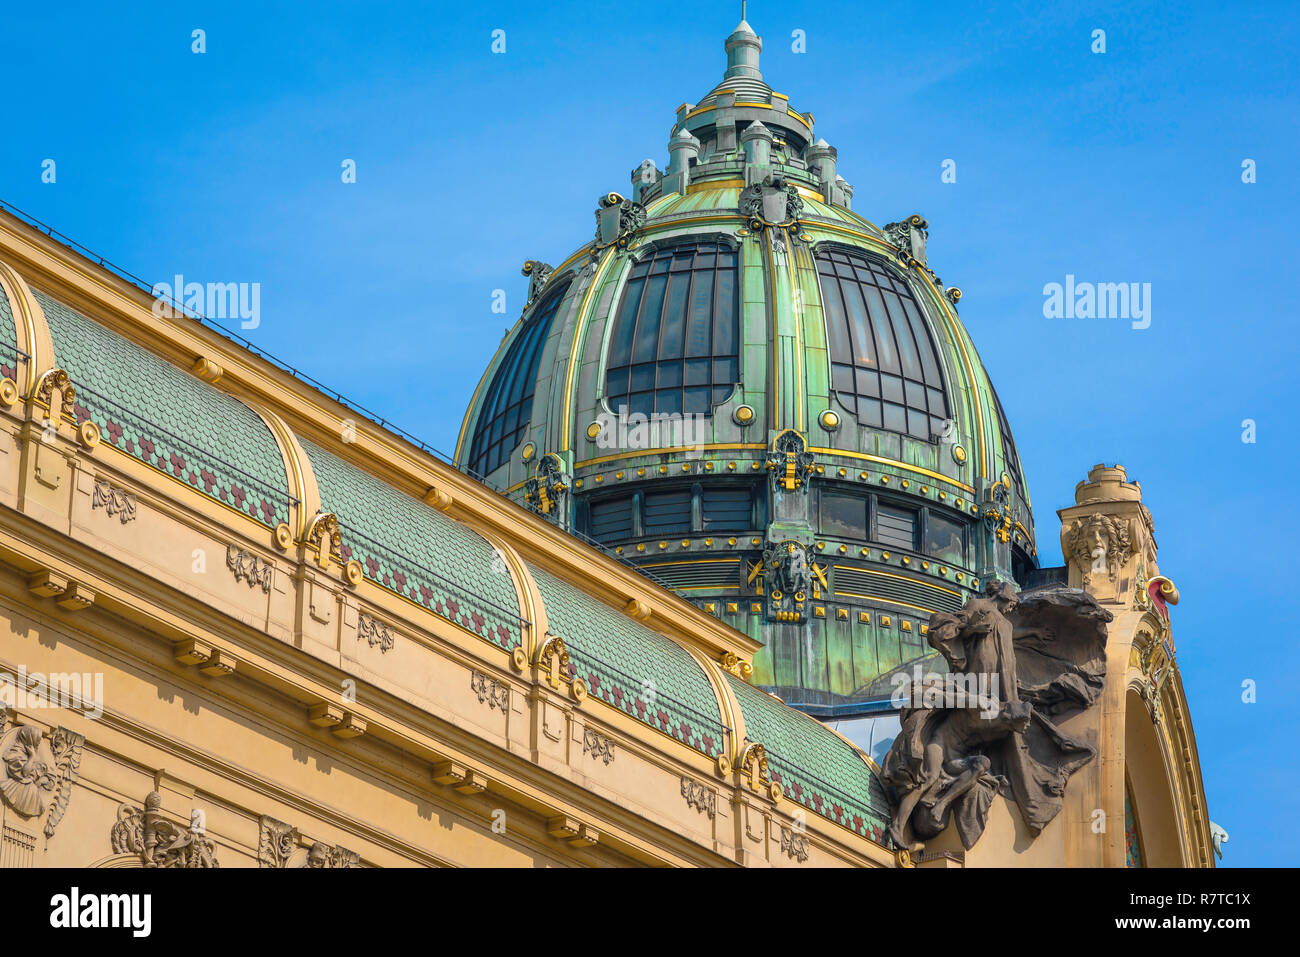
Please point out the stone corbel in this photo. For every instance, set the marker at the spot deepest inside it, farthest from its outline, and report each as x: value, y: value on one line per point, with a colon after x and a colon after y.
x: 337, y: 720
x: 572, y: 832
x: 68, y: 594
x: 459, y: 778
x: 210, y: 661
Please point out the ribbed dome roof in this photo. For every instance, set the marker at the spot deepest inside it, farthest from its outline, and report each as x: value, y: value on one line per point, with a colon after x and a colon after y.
x: 766, y: 401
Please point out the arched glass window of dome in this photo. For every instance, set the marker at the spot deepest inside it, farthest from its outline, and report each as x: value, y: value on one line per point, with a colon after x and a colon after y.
x: 507, y: 405
x: 884, y: 365
x: 675, y: 344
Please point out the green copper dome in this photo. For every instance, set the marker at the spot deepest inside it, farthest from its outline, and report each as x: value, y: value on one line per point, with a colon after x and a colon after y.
x: 762, y: 399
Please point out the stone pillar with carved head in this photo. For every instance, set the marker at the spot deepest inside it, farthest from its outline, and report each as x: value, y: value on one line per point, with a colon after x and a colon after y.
x: 1108, y: 538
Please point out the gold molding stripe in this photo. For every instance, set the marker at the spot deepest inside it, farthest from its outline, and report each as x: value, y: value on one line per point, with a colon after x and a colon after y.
x: 881, y: 460
x: 888, y: 601
x: 914, y: 581
x: 686, y: 561
x: 575, y: 349
x: 637, y: 453
x: 753, y: 105
x: 714, y: 184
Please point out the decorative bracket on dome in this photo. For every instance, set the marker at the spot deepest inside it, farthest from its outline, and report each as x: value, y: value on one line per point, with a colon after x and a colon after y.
x: 325, y: 537
x: 789, y: 576
x: 910, y: 236
x: 790, y: 462
x: 773, y: 202
x: 538, y: 273
x: 617, y: 222
x: 997, y: 512
x: 545, y: 491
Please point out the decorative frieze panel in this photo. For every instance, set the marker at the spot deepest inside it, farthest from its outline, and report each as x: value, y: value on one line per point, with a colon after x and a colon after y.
x: 375, y: 632
x: 114, y: 501
x: 283, y: 846
x: 794, y: 844
x: 37, y: 773
x: 249, y: 568
x: 490, y: 692
x: 701, y: 797
x: 597, y: 745
x: 158, y: 842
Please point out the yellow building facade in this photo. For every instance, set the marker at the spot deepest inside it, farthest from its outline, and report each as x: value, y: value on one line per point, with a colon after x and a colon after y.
x: 244, y: 625
x: 277, y: 701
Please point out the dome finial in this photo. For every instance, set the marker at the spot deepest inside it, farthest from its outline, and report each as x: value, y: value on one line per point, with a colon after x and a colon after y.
x: 743, y: 48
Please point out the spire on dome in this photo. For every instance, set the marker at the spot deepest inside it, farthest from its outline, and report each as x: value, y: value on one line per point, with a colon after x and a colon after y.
x: 743, y: 48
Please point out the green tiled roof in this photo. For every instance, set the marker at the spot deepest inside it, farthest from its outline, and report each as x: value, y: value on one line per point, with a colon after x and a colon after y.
x: 8, y: 339
x: 168, y: 418
x: 814, y: 766
x: 412, y: 549
x: 633, y: 668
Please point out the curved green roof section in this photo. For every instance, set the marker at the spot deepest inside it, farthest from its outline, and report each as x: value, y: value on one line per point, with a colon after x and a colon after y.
x: 417, y: 552
x: 8, y: 339
x: 815, y: 767
x: 633, y: 668
x: 169, y: 419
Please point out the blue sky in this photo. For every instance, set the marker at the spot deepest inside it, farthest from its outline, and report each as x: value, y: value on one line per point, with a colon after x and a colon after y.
x: 1117, y: 167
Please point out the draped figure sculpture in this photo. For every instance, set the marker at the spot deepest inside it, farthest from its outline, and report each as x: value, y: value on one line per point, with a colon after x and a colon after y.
x: 1013, y: 662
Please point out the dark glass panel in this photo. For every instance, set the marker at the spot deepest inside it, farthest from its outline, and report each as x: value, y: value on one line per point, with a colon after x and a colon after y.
x: 611, y: 519
x: 687, y: 309
x: 507, y: 406
x: 874, y: 322
x: 944, y: 539
x: 843, y: 515
x: 646, y: 345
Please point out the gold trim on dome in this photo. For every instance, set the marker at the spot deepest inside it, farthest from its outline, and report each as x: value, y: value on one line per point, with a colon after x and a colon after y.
x: 638, y: 453
x: 575, y: 347
x: 915, y: 581
x: 705, y: 186
x: 888, y: 601
x: 881, y: 460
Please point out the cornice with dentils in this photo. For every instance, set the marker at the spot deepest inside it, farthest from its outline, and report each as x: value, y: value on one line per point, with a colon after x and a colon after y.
x: 127, y: 310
